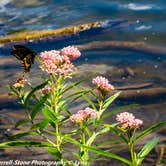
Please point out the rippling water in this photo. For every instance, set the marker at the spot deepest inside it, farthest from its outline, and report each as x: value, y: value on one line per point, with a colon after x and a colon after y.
x: 147, y: 16
x: 146, y: 22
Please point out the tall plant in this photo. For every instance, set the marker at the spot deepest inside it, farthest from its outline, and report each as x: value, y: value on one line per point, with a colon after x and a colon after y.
x: 53, y: 98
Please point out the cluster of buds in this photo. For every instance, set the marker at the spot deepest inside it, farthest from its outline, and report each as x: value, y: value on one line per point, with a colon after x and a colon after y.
x: 46, y: 90
x: 128, y: 121
x: 59, y: 62
x: 20, y: 82
x: 84, y: 115
x: 103, y: 85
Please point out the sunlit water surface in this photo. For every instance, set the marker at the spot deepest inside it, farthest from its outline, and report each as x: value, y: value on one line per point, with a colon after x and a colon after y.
x: 146, y: 22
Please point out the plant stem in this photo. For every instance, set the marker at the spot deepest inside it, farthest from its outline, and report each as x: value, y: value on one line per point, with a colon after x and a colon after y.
x: 56, y: 85
x: 32, y: 122
x: 132, y: 152
x: 84, y: 151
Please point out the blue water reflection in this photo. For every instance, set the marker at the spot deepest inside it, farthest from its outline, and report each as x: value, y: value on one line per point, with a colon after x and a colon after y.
x: 148, y: 16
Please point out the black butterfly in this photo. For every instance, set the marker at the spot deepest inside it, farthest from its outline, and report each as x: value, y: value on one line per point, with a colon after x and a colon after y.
x: 25, y: 55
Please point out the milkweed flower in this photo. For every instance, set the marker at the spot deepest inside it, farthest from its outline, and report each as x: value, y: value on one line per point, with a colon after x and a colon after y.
x: 71, y: 52
x: 128, y: 120
x: 125, y: 117
x: 46, y: 90
x: 102, y: 83
x: 20, y: 82
x: 84, y: 115
x: 58, y: 62
x: 137, y: 123
x: 77, y: 118
x: 67, y: 69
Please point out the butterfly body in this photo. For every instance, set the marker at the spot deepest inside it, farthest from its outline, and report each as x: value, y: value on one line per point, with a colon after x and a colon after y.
x: 25, y: 55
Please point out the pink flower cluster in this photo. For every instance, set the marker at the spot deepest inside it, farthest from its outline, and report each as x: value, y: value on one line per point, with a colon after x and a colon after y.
x: 128, y: 120
x: 46, y: 90
x: 59, y: 62
x: 83, y: 115
x: 20, y: 82
x: 102, y: 83
x: 71, y: 52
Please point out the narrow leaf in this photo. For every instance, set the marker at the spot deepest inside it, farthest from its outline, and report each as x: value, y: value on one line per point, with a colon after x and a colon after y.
x: 75, y: 84
x: 49, y: 114
x: 38, y: 105
x: 90, y: 102
x: 118, y: 109
x: 23, y: 144
x: 109, y: 101
x: 76, y: 93
x: 107, y: 154
x: 16, y: 136
x: 26, y: 99
x: 21, y: 122
x: 11, y: 88
x: 54, y: 151
x: 149, y: 130
x: 146, y: 150
x: 40, y: 125
x: 109, y: 143
x: 99, y: 152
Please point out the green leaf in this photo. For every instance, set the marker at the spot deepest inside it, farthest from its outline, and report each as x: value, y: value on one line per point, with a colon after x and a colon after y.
x: 90, y: 102
x: 91, y: 139
x: 12, y: 89
x: 16, y: 136
x: 71, y: 102
x: 149, y: 130
x: 27, y: 97
x: 116, y: 131
x: 74, y: 141
x: 24, y: 143
x: 40, y: 125
x: 118, y: 109
x: 49, y: 114
x: 74, y: 85
x: 76, y: 93
x: 146, y: 150
x: 109, y: 101
x: 107, y: 154
x: 54, y: 151
x: 21, y: 122
x: 94, y: 135
x: 98, y: 151
x: 109, y: 143
x: 38, y: 105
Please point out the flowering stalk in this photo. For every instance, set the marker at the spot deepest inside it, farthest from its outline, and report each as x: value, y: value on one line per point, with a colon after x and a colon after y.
x: 59, y: 67
x: 82, y: 118
x: 19, y: 92
x: 49, y: 97
x: 83, y: 150
x: 129, y: 124
x: 56, y: 83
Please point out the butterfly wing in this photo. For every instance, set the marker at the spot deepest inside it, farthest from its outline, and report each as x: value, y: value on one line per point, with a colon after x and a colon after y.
x: 27, y: 62
x: 25, y: 55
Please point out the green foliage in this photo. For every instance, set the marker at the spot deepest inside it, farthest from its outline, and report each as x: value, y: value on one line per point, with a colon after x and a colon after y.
x: 31, y: 93
x: 16, y: 136
x: 18, y: 143
x: 55, y: 152
x: 149, y: 130
x: 49, y: 115
x: 21, y: 122
x: 146, y: 149
x: 36, y: 108
x: 55, y: 108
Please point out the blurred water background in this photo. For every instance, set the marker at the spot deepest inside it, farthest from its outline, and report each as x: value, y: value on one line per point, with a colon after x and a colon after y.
x: 147, y: 16
x: 145, y: 23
